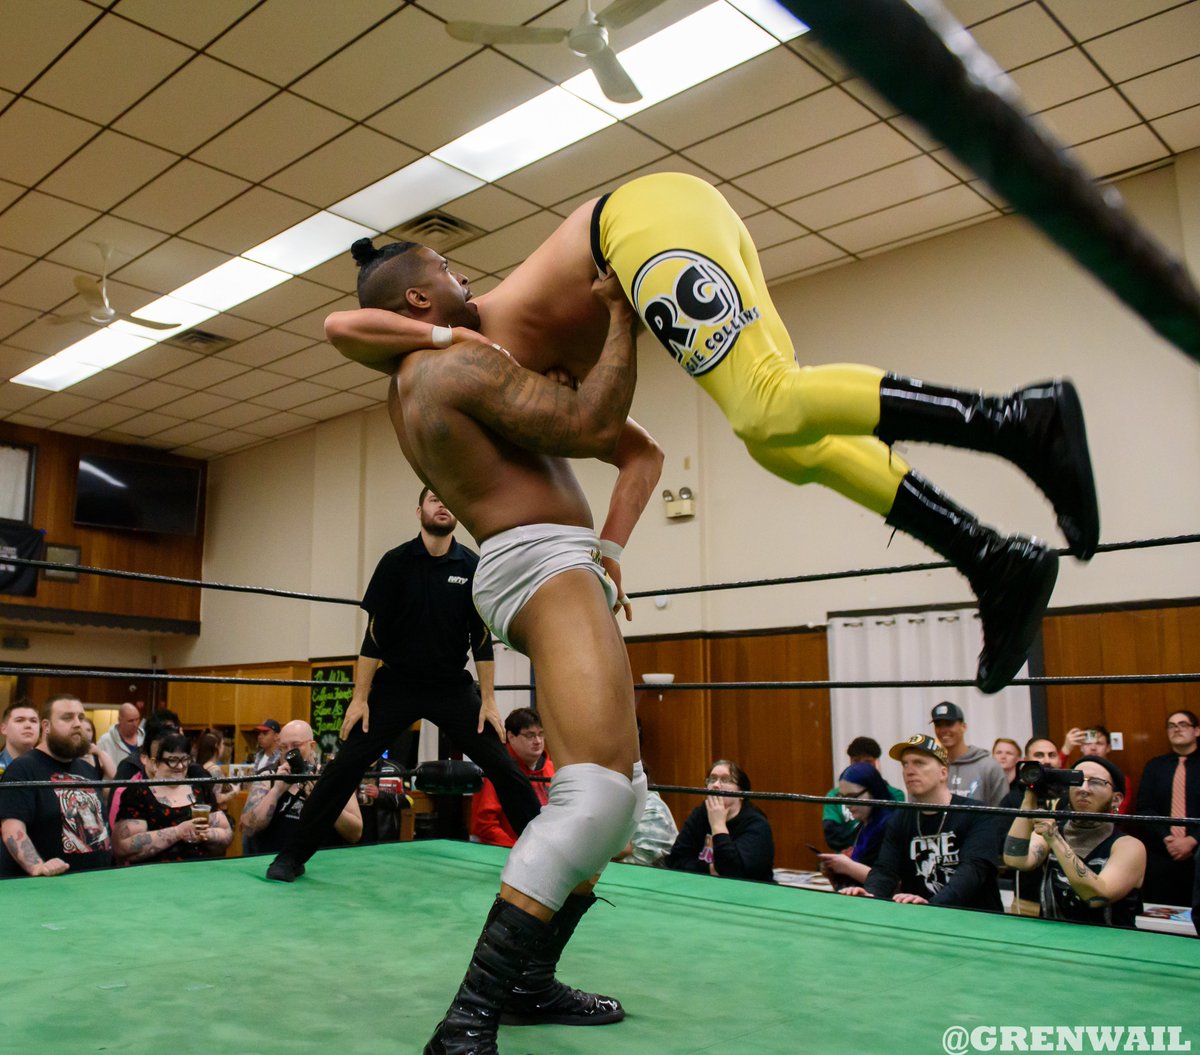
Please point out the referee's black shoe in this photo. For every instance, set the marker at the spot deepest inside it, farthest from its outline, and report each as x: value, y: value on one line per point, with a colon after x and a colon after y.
x: 285, y: 869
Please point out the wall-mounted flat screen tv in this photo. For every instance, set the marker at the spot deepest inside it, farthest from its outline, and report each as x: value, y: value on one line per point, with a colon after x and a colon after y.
x: 137, y: 496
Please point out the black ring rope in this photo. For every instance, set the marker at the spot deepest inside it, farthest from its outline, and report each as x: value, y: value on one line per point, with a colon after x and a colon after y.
x: 742, y: 584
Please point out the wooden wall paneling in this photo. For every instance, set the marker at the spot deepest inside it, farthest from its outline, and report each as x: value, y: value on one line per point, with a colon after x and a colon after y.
x: 1072, y: 643
x: 256, y: 702
x: 110, y: 692
x: 676, y: 730
x: 781, y: 738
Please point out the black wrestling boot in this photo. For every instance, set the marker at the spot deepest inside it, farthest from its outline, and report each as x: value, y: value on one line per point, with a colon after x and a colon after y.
x: 1012, y: 577
x: 1038, y: 428
x: 285, y: 869
x: 510, y: 941
x: 540, y: 998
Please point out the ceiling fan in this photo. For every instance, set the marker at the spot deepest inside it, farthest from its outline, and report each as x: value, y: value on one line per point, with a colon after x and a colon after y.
x: 94, y: 291
x: 588, y: 38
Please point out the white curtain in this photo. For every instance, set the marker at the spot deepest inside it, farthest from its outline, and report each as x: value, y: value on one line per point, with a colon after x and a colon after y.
x: 914, y: 646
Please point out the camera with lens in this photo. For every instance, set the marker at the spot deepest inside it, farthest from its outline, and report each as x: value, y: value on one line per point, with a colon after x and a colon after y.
x: 1047, y: 782
x: 295, y: 761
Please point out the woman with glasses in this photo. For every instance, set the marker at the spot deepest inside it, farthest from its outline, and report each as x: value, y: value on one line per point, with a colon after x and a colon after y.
x: 725, y: 836
x: 860, y: 781
x: 157, y: 822
x: 1093, y: 873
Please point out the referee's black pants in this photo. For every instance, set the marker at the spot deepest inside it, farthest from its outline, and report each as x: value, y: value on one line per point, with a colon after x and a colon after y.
x: 394, y: 707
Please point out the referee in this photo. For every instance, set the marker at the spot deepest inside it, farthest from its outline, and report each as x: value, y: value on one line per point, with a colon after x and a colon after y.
x: 413, y: 665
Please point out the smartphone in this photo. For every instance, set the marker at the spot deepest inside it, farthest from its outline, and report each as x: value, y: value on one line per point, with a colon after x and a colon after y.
x: 814, y: 849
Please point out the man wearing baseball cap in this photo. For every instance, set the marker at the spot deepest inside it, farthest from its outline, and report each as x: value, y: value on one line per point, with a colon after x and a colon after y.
x: 267, y: 755
x: 974, y: 774
x: 937, y: 856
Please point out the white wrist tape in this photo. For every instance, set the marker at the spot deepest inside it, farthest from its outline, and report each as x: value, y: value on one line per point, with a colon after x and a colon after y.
x: 443, y: 336
x: 611, y: 550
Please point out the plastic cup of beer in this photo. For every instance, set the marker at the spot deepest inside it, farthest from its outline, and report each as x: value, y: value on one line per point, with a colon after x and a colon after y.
x: 200, y: 815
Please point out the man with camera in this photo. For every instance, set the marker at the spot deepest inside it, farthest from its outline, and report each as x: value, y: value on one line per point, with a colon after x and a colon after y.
x: 273, y: 808
x: 1093, y: 874
x: 937, y: 856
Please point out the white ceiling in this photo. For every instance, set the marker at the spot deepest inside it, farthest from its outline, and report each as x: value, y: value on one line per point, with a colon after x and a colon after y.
x: 182, y: 133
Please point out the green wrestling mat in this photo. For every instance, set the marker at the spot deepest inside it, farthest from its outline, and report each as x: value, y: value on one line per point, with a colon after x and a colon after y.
x: 365, y: 951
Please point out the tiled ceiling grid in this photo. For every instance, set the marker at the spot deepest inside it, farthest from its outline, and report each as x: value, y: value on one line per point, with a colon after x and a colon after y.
x: 184, y: 133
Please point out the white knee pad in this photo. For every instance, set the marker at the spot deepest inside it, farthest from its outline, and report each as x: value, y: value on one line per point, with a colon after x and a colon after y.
x: 590, y: 816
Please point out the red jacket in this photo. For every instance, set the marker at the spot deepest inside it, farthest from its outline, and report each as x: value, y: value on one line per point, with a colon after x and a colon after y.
x: 488, y: 823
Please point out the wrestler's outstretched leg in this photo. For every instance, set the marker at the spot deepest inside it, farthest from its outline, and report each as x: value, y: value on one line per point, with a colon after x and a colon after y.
x: 585, y: 700
x: 1012, y: 577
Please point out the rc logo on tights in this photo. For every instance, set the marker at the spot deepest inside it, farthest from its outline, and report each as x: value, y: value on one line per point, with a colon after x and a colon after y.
x: 692, y: 306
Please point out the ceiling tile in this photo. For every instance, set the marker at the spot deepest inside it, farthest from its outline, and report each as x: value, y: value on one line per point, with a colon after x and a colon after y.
x: 108, y: 70
x: 109, y: 168
x: 825, y: 166
x: 745, y: 205
x: 312, y: 325
x: 769, y: 228
x: 38, y: 222
x: 799, y: 255
x: 1120, y: 151
x: 12, y: 263
x: 14, y: 316
x: 897, y: 183
x: 105, y: 385
x: 1175, y: 88
x: 232, y: 327
x: 340, y: 273
x: 222, y: 442
x: 149, y: 396
x: 158, y: 360
x: 12, y: 362
x: 249, y: 219
x: 483, y: 87
x: 9, y: 193
x: 489, y: 207
x: 169, y: 265
x: 319, y: 359
x: 284, y: 302
x: 1085, y: 19
x: 871, y: 99
x: 34, y: 139
x: 346, y: 376
x: 189, y: 408
x: 1058, y: 79
x: 35, y: 31
x: 103, y: 416
x: 277, y: 133
x: 901, y: 221
x: 127, y: 241
x: 250, y: 384
x: 73, y: 429
x: 1149, y: 45
x: 1181, y: 130
x: 345, y: 85
x: 596, y: 159
x: 46, y: 337
x: 236, y: 415
x: 43, y: 286
x: 264, y: 348
x: 1089, y: 118
x: 313, y: 29
x: 63, y: 405
x: 193, y: 24
x: 204, y: 372
x: 747, y: 91
x: 336, y: 405
x: 278, y: 424
x: 667, y: 163
x: 144, y: 425
x: 510, y: 245
x: 188, y: 432
x: 181, y: 196
x: 290, y: 396
x: 818, y: 118
x: 1021, y: 35
x: 30, y: 420
x: 339, y: 168
x: 211, y: 94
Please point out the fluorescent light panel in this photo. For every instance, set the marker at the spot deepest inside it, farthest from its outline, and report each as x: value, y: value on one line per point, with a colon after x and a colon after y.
x: 308, y: 243
x: 773, y: 17
x: 231, y: 283
x: 81, y: 360
x: 416, y: 188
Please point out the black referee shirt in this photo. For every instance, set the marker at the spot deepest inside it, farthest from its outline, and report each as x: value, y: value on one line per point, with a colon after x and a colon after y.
x: 422, y: 618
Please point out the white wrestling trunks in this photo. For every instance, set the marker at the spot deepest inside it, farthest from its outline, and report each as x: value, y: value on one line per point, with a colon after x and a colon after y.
x: 513, y: 564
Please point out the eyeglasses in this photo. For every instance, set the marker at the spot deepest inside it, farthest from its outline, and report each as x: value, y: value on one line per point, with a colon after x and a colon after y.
x: 864, y: 794
x: 531, y: 734
x: 175, y: 761
x: 1176, y: 727
x: 713, y: 782
x: 1096, y: 783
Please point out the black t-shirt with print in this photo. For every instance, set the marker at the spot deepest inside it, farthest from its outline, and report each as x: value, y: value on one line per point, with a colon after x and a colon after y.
x: 65, y: 821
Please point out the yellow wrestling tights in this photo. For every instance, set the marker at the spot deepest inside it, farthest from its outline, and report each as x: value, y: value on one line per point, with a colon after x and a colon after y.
x: 689, y: 267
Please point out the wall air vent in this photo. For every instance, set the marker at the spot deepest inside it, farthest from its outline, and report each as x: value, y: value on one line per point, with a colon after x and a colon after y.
x: 200, y: 341
x: 438, y: 230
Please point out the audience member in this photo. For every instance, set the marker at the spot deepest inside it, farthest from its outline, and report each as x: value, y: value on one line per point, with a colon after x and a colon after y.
x: 654, y: 836
x: 725, y: 836
x: 266, y: 758
x: 48, y: 831
x: 21, y: 729
x: 840, y: 827
x: 1170, y: 787
x: 860, y: 781
x: 273, y: 807
x: 974, y: 774
x: 381, y: 804
x: 125, y: 737
x: 159, y: 822
x: 527, y: 746
x: 1027, y: 883
x: 1007, y: 754
x: 100, y: 763
x: 1092, y: 873
x: 210, y: 749
x: 1095, y: 741
x: 938, y: 856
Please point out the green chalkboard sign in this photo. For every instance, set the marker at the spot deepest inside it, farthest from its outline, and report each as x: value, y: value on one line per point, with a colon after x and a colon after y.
x: 329, y: 702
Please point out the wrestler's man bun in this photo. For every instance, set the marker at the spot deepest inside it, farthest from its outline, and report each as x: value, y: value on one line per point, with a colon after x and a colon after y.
x: 364, y: 252
x: 383, y: 289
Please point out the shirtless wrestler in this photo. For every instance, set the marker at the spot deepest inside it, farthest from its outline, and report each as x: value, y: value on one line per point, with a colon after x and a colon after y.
x: 492, y: 438
x: 690, y: 269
